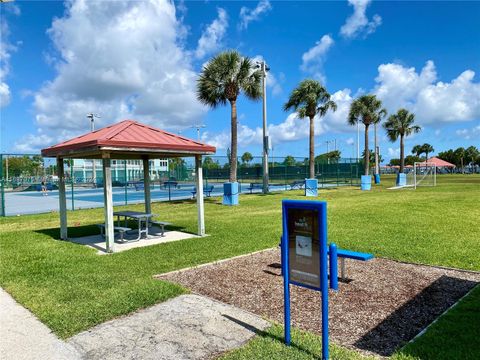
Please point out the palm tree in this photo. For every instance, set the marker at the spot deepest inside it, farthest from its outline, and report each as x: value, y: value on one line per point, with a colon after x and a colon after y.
x: 401, y: 125
x: 223, y: 79
x: 308, y: 99
x: 423, y: 149
x: 368, y: 110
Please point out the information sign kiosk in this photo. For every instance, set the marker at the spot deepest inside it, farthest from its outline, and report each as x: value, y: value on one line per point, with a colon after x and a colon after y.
x: 304, y: 256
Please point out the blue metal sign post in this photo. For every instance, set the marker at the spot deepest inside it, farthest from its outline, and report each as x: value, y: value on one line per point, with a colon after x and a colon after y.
x: 304, y: 256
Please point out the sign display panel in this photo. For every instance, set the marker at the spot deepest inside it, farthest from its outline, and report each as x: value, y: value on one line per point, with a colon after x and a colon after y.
x: 303, y: 246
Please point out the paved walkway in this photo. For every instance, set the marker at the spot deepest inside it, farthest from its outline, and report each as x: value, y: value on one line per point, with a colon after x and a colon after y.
x: 24, y: 337
x: 187, y: 327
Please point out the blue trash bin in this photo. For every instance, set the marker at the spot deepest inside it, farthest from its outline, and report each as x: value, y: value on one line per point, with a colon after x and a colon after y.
x: 311, y: 187
x: 401, y: 179
x: 230, y: 193
x: 366, y: 182
x: 377, y: 178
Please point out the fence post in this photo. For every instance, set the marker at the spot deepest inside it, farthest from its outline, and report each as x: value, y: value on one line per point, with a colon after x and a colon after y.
x: 126, y: 182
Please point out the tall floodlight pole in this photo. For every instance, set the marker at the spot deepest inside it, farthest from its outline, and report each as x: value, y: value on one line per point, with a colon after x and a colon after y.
x: 377, y: 170
x: 264, y: 68
x: 198, y: 127
x: 92, y: 117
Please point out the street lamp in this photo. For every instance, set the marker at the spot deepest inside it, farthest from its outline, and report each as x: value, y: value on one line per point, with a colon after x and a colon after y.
x: 198, y: 127
x: 262, y: 65
x: 92, y: 117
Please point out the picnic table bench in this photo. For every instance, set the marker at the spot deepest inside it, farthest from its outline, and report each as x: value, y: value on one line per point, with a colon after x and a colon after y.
x: 206, y: 190
x: 255, y: 186
x: 297, y: 184
x: 161, y: 224
x: 120, y: 229
x: 170, y: 183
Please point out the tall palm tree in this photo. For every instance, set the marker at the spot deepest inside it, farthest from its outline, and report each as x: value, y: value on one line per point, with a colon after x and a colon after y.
x: 368, y: 110
x: 417, y: 150
x: 427, y: 149
x: 308, y: 99
x: 223, y: 79
x: 401, y: 125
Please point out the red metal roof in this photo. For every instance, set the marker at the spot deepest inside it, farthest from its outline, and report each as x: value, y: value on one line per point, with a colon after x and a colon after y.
x: 438, y: 162
x: 128, y: 135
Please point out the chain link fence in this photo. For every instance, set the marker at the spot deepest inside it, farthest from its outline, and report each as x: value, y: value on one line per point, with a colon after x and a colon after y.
x: 29, y: 183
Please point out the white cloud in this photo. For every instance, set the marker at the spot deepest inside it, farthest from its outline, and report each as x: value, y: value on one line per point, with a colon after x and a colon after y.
x: 212, y: 36
x: 358, y: 24
x: 431, y: 101
x: 32, y: 143
x: 293, y: 128
x: 6, y: 48
x: 246, y: 137
x: 313, y: 59
x: 121, y: 60
x: 393, y: 153
x: 467, y: 134
x: 248, y: 15
x: 350, y: 141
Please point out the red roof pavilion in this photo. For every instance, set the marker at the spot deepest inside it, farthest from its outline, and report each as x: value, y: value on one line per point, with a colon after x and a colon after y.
x: 127, y: 137
x: 437, y: 162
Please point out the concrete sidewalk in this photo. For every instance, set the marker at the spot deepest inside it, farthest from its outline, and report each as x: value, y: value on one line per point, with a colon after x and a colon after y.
x: 24, y: 337
x: 187, y: 327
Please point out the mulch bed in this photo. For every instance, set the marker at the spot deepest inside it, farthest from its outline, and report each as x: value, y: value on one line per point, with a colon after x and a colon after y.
x: 383, y: 304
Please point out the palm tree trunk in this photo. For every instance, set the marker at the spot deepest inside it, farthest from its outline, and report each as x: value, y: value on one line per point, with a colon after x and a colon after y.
x: 366, y: 160
x: 402, y: 155
x: 312, y: 148
x: 233, y: 152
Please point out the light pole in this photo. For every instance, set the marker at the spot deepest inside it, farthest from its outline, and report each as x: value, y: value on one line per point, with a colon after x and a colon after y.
x: 92, y: 117
x: 264, y: 68
x: 198, y: 127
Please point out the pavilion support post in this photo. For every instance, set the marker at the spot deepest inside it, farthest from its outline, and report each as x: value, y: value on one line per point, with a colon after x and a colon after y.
x: 199, y: 185
x: 62, y: 198
x: 146, y: 185
x: 108, y: 203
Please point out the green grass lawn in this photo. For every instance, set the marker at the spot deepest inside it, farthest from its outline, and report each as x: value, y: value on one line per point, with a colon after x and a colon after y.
x: 70, y: 288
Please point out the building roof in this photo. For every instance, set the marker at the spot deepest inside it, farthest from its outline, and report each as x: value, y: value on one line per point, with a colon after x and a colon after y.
x: 438, y: 162
x: 128, y: 139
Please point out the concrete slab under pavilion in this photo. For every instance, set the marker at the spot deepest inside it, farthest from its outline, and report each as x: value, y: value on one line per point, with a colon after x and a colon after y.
x: 98, y: 243
x: 128, y: 139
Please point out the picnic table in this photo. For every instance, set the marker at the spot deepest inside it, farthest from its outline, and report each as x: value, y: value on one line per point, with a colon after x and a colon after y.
x: 142, y: 218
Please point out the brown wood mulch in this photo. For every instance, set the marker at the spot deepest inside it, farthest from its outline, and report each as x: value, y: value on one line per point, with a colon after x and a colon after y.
x: 382, y: 305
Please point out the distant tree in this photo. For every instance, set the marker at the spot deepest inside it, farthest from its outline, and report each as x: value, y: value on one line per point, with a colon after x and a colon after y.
x: 472, y: 155
x: 423, y: 149
x: 209, y: 163
x: 289, y: 161
x: 222, y: 80
x: 401, y: 125
x: 23, y: 166
x: 247, y: 157
x: 368, y: 110
x: 372, y: 156
x: 334, y: 155
x: 412, y: 159
x: 308, y: 99
x: 394, y: 162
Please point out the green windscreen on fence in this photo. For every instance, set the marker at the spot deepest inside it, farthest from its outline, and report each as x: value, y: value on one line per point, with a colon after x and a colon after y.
x: 29, y: 183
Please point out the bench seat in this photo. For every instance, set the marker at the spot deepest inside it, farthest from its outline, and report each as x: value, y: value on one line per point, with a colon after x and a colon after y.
x: 161, y: 224
x: 206, y: 190
x: 120, y: 229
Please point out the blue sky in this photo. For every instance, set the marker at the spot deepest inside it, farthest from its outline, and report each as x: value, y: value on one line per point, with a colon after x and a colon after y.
x: 62, y: 60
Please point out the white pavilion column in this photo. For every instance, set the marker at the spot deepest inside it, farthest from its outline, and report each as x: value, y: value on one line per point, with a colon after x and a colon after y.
x: 146, y: 185
x: 199, y: 185
x: 62, y: 198
x: 108, y: 203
